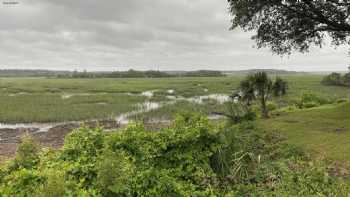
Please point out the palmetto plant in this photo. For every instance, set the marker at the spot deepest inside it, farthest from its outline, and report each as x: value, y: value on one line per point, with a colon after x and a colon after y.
x: 247, y: 90
x: 260, y: 87
x: 280, y: 87
x: 263, y: 88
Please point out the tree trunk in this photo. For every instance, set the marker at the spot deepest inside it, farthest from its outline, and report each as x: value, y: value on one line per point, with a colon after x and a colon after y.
x: 264, y: 110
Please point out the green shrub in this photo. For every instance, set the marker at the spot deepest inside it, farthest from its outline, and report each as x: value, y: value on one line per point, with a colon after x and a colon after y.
x: 309, y: 100
x: 81, y: 149
x: 22, y: 183
x: 114, y: 172
x: 54, y: 185
x: 310, y: 105
x: 190, y: 158
x: 346, y: 79
x: 245, y: 148
x: 83, y: 143
x: 332, y: 79
x: 159, y: 183
x: 27, y: 154
x: 185, y: 148
x: 342, y: 100
x: 271, y: 106
x: 238, y: 112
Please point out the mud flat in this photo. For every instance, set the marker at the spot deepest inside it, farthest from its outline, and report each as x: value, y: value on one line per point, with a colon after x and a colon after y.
x: 52, y: 134
x: 48, y: 136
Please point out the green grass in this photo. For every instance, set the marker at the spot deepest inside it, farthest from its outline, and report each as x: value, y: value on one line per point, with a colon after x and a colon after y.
x: 312, y: 83
x: 40, y: 99
x: 186, y: 87
x: 53, y: 108
x: 168, y: 112
x: 325, y: 130
x: 183, y: 86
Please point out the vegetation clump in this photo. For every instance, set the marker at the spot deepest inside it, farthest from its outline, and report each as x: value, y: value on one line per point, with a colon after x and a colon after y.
x: 190, y: 158
x: 287, y: 25
x: 260, y: 87
x: 337, y: 79
x: 309, y: 100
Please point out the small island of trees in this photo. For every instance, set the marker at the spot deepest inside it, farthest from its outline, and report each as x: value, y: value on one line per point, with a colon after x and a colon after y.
x: 337, y: 79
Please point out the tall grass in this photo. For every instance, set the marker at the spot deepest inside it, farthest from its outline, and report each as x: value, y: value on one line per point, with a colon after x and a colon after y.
x: 40, y: 99
x: 53, y: 108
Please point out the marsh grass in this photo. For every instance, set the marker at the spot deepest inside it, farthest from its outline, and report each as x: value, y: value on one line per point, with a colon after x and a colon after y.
x: 49, y: 107
x: 40, y: 99
x: 168, y: 112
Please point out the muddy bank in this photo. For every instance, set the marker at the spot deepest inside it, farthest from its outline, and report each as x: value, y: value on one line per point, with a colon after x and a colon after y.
x: 10, y: 138
x: 52, y: 134
x: 52, y: 137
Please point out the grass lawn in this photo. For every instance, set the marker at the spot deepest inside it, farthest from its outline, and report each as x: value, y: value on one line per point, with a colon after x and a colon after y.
x: 325, y: 130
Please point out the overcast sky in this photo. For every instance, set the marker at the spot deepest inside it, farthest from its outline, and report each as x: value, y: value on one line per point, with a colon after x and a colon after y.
x: 138, y: 34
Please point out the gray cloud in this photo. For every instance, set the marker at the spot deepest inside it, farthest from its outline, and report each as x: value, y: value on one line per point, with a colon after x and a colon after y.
x: 140, y: 34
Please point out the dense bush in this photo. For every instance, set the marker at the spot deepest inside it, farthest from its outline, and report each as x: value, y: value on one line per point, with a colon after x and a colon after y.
x: 332, y: 79
x: 27, y: 154
x: 271, y: 106
x: 190, y: 158
x: 337, y: 79
x: 309, y: 100
x: 238, y: 112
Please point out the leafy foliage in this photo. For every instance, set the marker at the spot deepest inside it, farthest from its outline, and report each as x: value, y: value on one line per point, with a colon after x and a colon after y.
x: 27, y: 154
x: 237, y: 112
x: 309, y: 100
x: 286, y: 25
x: 190, y: 158
x: 260, y: 87
x: 336, y: 79
x: 280, y: 87
x: 332, y: 79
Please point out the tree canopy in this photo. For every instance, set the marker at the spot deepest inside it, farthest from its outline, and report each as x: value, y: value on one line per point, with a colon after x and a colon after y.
x: 287, y: 25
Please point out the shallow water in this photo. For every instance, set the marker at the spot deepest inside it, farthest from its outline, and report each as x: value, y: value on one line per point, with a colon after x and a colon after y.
x: 220, y: 98
x: 141, y: 108
x: 124, y: 117
x: 18, y: 94
x: 42, y: 127
x: 69, y: 95
x: 148, y: 93
x: 170, y: 91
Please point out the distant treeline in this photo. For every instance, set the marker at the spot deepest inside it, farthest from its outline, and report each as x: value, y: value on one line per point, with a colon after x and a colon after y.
x: 141, y: 74
x: 31, y: 73
x: 267, y: 71
x: 337, y: 79
x: 115, y: 74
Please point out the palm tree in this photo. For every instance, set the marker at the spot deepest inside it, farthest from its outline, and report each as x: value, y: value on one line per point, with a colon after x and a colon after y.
x: 247, y: 90
x: 260, y: 87
x: 263, y: 86
x: 280, y: 87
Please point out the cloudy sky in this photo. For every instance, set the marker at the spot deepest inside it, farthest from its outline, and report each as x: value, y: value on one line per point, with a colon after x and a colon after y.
x: 138, y: 34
